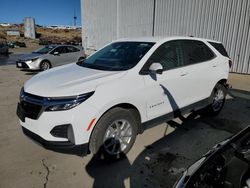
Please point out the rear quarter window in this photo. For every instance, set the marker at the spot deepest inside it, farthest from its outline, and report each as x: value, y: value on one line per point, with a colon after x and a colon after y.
x: 71, y: 49
x: 220, y: 48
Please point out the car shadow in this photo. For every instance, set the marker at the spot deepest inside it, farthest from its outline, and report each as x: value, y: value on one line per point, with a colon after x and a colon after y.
x: 162, y: 163
x: 109, y: 174
x: 4, y: 55
x: 30, y: 72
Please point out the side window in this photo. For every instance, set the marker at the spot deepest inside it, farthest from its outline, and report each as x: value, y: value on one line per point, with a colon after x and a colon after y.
x: 168, y: 54
x: 195, y: 52
x: 60, y: 49
x: 71, y: 49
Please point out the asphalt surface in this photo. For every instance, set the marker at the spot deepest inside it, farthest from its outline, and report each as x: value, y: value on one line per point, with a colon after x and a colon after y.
x: 9, y: 59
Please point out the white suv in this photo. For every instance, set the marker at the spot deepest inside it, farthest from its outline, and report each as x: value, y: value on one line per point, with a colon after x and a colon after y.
x: 100, y: 104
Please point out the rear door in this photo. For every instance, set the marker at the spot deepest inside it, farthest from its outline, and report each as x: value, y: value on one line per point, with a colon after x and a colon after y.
x: 198, y: 71
x: 73, y: 54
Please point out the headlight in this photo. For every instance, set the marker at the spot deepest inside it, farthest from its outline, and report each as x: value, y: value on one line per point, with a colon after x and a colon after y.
x: 28, y: 61
x: 59, y: 104
x: 32, y: 60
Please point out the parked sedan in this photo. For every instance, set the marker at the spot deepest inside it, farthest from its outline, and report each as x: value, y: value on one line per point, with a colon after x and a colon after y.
x: 19, y: 44
x: 227, y: 165
x: 51, y: 56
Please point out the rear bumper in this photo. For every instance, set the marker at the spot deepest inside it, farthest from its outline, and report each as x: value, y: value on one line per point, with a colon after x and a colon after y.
x: 58, y: 146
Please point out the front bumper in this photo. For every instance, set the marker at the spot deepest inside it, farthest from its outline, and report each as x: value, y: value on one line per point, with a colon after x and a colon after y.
x: 58, y: 146
x: 51, y: 126
x: 22, y: 65
x: 31, y: 65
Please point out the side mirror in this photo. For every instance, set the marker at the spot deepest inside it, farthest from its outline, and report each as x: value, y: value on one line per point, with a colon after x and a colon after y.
x: 56, y: 53
x: 156, y: 68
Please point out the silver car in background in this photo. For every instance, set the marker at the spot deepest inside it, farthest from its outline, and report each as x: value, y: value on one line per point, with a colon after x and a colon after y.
x: 51, y: 56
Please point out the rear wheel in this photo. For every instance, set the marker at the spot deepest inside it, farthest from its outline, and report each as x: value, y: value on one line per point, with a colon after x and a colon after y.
x: 45, y: 65
x: 114, y: 134
x: 218, y: 100
x: 81, y: 59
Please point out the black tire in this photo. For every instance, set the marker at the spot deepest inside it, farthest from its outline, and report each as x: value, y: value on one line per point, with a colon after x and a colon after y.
x: 81, y: 59
x: 216, y: 103
x: 99, y: 144
x: 45, y: 65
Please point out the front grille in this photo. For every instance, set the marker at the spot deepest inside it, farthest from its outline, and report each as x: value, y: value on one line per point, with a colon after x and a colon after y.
x: 31, y: 110
x: 23, y: 64
x: 32, y: 105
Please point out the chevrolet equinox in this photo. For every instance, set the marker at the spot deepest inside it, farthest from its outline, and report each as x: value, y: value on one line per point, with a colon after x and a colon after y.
x: 100, y: 104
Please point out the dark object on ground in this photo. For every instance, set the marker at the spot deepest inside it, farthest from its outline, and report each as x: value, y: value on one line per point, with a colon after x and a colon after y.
x: 4, y: 49
x: 20, y: 44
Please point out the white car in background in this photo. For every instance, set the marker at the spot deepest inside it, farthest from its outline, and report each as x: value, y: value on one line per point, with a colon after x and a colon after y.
x: 100, y: 104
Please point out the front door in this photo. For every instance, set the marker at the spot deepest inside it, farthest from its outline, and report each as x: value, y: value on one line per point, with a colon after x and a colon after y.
x: 164, y: 92
x: 59, y: 59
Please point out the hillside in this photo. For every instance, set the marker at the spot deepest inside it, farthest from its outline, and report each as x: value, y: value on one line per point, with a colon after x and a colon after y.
x: 44, y: 35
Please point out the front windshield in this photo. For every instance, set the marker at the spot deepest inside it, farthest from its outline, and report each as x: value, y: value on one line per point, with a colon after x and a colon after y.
x: 44, y: 50
x: 117, y: 56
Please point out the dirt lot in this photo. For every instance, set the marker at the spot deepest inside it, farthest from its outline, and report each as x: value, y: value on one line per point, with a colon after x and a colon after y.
x: 157, y: 159
x: 45, y: 34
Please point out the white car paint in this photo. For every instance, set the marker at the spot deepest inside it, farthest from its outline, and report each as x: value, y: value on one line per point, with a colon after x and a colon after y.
x: 187, y: 85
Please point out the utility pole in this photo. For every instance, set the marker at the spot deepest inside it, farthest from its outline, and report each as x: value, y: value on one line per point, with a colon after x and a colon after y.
x: 117, y: 19
x: 153, y: 27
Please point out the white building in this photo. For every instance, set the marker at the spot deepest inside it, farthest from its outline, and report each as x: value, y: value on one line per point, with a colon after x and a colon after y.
x: 225, y: 20
x: 13, y: 32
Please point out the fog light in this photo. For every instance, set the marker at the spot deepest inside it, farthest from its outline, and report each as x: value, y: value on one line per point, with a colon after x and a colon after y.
x: 70, y: 134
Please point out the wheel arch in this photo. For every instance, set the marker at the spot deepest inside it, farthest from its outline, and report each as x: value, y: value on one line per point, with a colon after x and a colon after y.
x: 47, y: 61
x: 222, y: 82
x: 81, y: 57
x: 134, y: 111
x: 127, y: 106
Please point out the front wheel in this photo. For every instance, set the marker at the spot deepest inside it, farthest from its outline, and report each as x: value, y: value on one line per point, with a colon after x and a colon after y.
x: 114, y: 134
x: 218, y: 98
x: 45, y: 65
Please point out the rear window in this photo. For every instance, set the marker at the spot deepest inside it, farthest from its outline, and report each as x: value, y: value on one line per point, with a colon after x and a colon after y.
x: 220, y: 48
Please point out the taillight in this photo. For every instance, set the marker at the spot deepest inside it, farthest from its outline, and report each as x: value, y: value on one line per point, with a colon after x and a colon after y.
x: 230, y: 63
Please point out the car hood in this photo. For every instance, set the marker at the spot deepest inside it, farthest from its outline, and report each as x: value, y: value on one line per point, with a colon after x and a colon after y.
x: 29, y: 56
x: 68, y: 80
